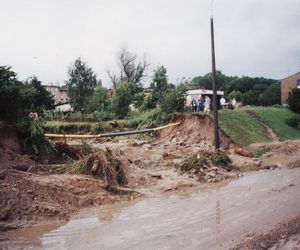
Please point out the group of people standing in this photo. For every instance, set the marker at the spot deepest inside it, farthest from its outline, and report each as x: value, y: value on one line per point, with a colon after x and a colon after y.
x: 201, y: 105
x: 204, y: 104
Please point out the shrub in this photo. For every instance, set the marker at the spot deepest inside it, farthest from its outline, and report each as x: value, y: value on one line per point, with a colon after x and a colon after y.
x: 154, y: 118
x: 32, y: 132
x: 237, y: 95
x: 172, y: 101
x: 293, y: 121
x: 294, y: 100
x: 121, y: 101
x: 261, y: 151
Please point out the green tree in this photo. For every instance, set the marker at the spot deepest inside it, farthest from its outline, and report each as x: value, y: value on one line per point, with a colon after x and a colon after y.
x: 172, y: 101
x: 237, y: 95
x: 10, y: 98
x: 40, y: 97
x: 81, y: 83
x: 294, y: 100
x: 159, y: 82
x: 251, y: 98
x: 99, y: 101
x: 18, y: 98
x: 272, y: 95
x: 121, y: 100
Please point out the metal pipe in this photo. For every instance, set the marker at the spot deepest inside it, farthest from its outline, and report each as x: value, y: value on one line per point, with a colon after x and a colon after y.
x: 149, y: 130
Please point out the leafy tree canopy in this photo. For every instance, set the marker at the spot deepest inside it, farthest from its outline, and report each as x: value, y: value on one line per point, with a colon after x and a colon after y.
x: 159, y: 81
x: 99, y: 101
x: 81, y: 83
x: 121, y: 100
x: 271, y: 95
x: 18, y: 98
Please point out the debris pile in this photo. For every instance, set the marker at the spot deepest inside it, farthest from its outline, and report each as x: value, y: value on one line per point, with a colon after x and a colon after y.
x: 64, y: 150
x: 209, y: 166
x: 101, y: 164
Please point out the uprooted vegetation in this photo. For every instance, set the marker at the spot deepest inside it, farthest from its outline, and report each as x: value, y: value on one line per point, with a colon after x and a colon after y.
x: 100, y: 164
x: 207, y: 165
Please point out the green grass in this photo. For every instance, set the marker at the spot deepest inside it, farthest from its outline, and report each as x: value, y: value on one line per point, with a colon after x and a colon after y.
x: 248, y: 125
x: 275, y: 118
x: 241, y: 127
x: 90, y: 127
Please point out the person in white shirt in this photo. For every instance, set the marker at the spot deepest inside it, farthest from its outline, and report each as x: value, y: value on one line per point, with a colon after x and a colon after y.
x: 222, y: 102
x: 207, y: 105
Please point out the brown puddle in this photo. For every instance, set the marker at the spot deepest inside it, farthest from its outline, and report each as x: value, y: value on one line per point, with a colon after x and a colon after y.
x: 216, y: 218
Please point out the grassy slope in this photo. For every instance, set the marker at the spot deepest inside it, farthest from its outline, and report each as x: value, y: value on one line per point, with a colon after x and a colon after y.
x: 275, y: 119
x: 241, y: 127
x: 245, y: 129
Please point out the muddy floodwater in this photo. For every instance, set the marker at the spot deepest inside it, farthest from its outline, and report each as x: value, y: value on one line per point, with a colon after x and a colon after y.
x: 216, y: 217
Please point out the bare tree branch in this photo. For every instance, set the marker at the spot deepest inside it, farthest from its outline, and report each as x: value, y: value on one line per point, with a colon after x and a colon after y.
x: 131, y: 70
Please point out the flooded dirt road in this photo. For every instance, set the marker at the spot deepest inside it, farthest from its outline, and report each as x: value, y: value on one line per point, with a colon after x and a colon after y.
x: 216, y: 217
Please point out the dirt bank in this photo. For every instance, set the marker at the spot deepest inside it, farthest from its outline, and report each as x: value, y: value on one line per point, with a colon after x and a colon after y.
x: 29, y: 196
x: 10, y: 149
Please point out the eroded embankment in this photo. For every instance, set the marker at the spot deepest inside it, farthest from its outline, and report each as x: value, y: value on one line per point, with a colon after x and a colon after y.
x: 31, y: 192
x: 149, y: 166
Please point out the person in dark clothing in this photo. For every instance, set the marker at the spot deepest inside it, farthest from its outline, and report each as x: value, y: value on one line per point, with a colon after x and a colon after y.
x: 200, y: 104
x: 194, y: 105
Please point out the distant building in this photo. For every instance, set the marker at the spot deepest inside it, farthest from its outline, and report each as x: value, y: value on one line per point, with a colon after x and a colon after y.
x: 198, y: 93
x: 60, y: 94
x: 287, y: 84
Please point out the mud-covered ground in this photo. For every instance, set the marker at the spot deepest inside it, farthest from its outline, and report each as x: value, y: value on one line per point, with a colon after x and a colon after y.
x: 150, y: 164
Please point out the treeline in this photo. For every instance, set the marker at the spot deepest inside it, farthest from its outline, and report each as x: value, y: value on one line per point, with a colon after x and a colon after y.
x: 128, y: 93
x: 256, y: 91
x: 88, y: 95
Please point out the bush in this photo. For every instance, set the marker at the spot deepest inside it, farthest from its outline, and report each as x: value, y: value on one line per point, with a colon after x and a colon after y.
x: 149, y: 103
x: 172, y: 101
x: 97, y: 116
x: 293, y: 121
x: 153, y: 118
x: 261, y: 151
x: 237, y: 95
x: 32, y: 132
x: 294, y: 100
x: 121, y: 101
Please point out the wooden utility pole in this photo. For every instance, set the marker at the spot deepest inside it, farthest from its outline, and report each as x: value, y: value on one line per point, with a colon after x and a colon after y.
x: 215, y: 100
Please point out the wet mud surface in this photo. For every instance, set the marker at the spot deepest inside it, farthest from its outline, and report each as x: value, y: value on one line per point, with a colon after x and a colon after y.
x: 216, y: 217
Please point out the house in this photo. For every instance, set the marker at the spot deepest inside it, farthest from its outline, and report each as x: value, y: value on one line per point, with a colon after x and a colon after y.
x: 287, y: 84
x: 60, y: 94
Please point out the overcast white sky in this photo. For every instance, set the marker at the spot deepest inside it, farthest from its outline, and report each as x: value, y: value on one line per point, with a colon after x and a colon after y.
x: 253, y: 37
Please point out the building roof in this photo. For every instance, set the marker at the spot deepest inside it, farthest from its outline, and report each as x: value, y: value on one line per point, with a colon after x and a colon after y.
x: 203, y: 92
x: 290, y: 76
